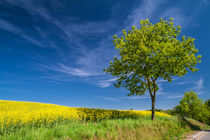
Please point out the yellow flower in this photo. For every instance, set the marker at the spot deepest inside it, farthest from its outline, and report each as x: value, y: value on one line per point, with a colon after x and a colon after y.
x: 14, y: 113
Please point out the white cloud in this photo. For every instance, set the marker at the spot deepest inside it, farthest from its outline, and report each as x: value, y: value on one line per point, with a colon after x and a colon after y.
x: 106, y: 83
x: 199, y: 84
x: 108, y: 98
x: 137, y: 97
x: 160, y: 91
x: 180, y: 16
x: 89, y: 62
x: 175, y: 96
x: 177, y: 15
x: 32, y: 7
x: 112, y: 80
x: 183, y: 82
x: 161, y: 81
x: 145, y: 10
x: 199, y: 87
x: 68, y: 70
x: 206, y: 2
x: 74, y: 71
x: 4, y: 25
x: 150, y: 9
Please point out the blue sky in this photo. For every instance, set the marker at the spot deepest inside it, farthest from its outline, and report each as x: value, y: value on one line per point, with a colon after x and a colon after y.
x: 54, y: 51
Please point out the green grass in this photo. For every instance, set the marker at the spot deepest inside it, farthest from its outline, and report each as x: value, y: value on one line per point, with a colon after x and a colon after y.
x: 133, y: 129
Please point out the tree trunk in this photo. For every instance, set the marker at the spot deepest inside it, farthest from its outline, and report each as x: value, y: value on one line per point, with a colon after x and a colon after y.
x: 153, y: 108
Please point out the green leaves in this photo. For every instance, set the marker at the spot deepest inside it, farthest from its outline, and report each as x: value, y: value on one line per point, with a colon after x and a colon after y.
x: 153, y: 51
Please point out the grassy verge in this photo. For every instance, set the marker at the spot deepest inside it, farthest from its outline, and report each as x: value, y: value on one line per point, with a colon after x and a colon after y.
x: 133, y: 129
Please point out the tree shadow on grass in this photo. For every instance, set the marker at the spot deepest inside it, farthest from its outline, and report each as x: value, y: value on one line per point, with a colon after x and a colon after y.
x: 190, y: 124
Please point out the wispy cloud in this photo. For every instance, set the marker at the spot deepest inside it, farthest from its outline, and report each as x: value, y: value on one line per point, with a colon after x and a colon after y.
x: 196, y: 85
x: 68, y: 70
x: 174, y: 96
x: 74, y: 71
x: 206, y: 2
x: 160, y: 91
x: 181, y: 18
x: 153, y: 10
x: 66, y: 28
x: 88, y: 28
x: 32, y: 7
x: 177, y: 15
x: 106, y: 83
x: 4, y: 25
x: 161, y: 81
x: 8, y: 27
x: 199, y: 86
x: 74, y: 56
x: 144, y: 10
x: 183, y: 82
x: 137, y: 97
x: 108, y: 98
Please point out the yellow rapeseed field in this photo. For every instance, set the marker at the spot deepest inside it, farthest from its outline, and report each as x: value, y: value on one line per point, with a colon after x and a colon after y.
x: 17, y: 114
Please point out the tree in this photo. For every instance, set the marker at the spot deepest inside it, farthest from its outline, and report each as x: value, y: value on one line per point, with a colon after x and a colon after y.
x: 149, y: 53
x: 207, y: 103
x: 206, y: 115
x: 190, y: 106
x: 193, y: 107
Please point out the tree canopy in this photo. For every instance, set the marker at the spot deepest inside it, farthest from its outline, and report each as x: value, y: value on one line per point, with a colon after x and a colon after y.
x: 150, y: 52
